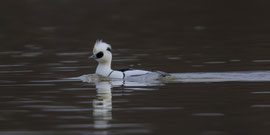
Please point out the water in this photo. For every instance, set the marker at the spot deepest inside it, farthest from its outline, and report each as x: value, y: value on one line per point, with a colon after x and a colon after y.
x: 218, y: 52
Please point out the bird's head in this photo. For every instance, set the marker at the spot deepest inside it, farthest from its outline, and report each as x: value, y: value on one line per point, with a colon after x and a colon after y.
x: 102, y: 52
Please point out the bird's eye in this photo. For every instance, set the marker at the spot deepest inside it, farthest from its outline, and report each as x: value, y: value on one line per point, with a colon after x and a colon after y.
x: 109, y: 49
x: 99, y: 55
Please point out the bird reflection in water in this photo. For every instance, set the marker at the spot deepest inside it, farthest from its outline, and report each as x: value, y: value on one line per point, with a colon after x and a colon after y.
x: 102, y: 106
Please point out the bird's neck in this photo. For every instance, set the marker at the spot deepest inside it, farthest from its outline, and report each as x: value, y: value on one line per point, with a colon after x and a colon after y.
x: 104, y: 69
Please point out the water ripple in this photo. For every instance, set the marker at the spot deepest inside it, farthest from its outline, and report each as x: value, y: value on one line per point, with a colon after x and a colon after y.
x: 148, y: 108
x: 261, y: 61
x: 67, y: 110
x: 15, y: 65
x: 72, y: 89
x: 10, y: 52
x: 208, y: 114
x: 261, y: 106
x: 27, y: 85
x: 53, y: 81
x: 72, y: 53
x: 17, y: 71
x: 261, y: 92
x: 215, y: 62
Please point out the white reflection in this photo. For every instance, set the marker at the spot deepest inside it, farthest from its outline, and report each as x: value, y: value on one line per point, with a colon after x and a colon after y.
x: 102, y: 106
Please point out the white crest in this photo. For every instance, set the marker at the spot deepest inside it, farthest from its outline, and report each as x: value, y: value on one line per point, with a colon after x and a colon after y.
x: 100, y: 46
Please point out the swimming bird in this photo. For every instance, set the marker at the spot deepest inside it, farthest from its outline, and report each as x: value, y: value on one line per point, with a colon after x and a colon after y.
x: 102, y: 53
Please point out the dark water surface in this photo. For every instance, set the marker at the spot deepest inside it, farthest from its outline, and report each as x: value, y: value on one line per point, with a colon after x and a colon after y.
x: 44, y: 42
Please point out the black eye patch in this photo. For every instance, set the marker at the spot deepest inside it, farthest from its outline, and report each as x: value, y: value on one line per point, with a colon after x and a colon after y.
x: 109, y: 49
x: 99, y: 55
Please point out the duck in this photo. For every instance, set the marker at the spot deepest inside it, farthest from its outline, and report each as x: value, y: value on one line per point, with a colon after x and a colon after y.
x: 102, y: 53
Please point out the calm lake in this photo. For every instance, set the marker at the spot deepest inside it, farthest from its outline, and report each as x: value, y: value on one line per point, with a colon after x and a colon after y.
x: 218, y: 50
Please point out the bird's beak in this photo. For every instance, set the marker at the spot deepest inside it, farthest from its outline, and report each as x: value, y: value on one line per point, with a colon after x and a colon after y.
x: 92, y: 57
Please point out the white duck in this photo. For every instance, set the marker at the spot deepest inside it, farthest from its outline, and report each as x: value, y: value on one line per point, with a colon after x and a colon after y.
x: 102, y: 53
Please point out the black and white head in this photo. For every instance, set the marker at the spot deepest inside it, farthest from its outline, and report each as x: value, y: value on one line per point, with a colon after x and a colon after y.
x: 102, y: 52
